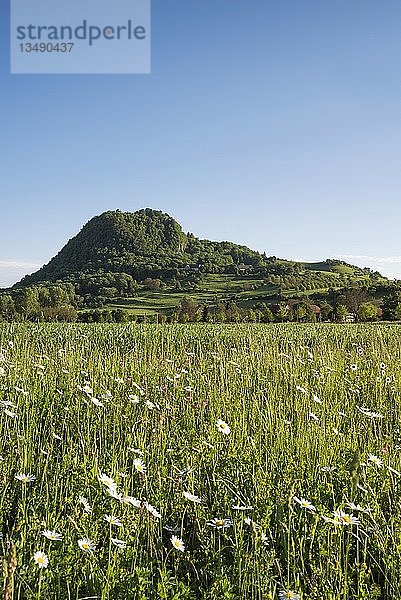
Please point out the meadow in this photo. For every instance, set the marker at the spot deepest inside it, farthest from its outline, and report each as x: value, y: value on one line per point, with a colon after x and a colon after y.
x: 230, y: 462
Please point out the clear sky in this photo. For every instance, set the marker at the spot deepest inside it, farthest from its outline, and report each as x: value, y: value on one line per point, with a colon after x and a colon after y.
x: 271, y: 123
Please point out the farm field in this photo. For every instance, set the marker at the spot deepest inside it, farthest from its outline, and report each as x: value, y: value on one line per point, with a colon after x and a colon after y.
x: 232, y: 462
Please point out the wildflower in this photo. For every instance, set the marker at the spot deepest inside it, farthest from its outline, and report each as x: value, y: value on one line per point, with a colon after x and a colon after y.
x: 370, y: 413
x: 97, y: 402
x: 223, y: 427
x: 375, y: 460
x: 41, y: 559
x: 87, y: 545
x: 220, y: 523
x: 264, y: 539
x: 357, y: 507
x: 172, y: 528
x: 85, y: 503
x: 191, y: 497
x: 345, y: 518
x: 25, y: 477
x: 52, y: 535
x: 107, y: 481
x: 113, y: 493
x: 335, y: 521
x: 353, y: 367
x: 136, y: 451
x: 113, y: 520
x: 118, y: 543
x: 288, y: 595
x: 151, y: 405
x: 138, y: 387
x: 305, y: 504
x: 133, y: 398
x: 140, y: 466
x: 8, y: 403
x: 300, y: 389
x: 131, y: 500
x: 9, y: 413
x: 177, y: 543
x: 155, y: 513
x: 251, y: 523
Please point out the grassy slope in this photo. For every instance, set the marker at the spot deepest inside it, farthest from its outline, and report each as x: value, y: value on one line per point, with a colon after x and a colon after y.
x: 216, y: 288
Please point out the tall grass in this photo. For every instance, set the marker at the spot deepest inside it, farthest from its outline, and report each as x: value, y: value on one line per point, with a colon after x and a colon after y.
x: 314, y: 413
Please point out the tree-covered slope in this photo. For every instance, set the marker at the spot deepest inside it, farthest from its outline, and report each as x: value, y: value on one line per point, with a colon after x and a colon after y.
x: 142, y: 244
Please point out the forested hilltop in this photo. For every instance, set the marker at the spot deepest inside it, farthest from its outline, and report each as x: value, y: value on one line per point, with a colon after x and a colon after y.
x: 141, y: 265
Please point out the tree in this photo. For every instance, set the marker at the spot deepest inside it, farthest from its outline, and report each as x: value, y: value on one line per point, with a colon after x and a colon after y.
x: 189, y: 311
x: 367, y: 312
x: 354, y: 297
x: 267, y: 315
x: 391, y: 303
x: 27, y: 302
x: 326, y: 310
x: 341, y: 312
x: 7, y: 307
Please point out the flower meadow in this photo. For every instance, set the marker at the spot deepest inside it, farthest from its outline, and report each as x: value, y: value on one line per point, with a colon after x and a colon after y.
x: 200, y: 462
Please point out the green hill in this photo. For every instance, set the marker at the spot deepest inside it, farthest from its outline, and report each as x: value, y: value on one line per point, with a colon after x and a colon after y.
x: 144, y: 263
x: 146, y: 243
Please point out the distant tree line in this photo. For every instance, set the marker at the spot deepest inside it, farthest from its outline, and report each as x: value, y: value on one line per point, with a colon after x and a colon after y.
x: 60, y: 302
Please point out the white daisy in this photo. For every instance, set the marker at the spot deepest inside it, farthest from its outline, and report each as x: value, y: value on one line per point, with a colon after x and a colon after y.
x: 113, y: 520
x: 288, y: 595
x: 357, y: 508
x: 41, y: 559
x: 223, y: 427
x: 155, y: 513
x: 25, y: 477
x: 220, y: 523
x: 97, y: 402
x: 85, y: 503
x: 140, y: 466
x: 375, y: 460
x: 113, y: 493
x: 345, y: 518
x: 191, y: 497
x: 118, y: 543
x: 305, y: 504
x: 87, y: 545
x: 177, y: 543
x: 107, y: 481
x: 52, y: 535
x: 131, y: 500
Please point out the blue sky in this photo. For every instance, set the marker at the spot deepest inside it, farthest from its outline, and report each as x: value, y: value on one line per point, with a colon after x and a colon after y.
x: 274, y: 124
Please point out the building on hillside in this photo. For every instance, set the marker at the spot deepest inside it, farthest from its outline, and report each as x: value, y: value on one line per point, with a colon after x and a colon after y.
x: 242, y: 268
x: 190, y: 268
x: 316, y: 311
